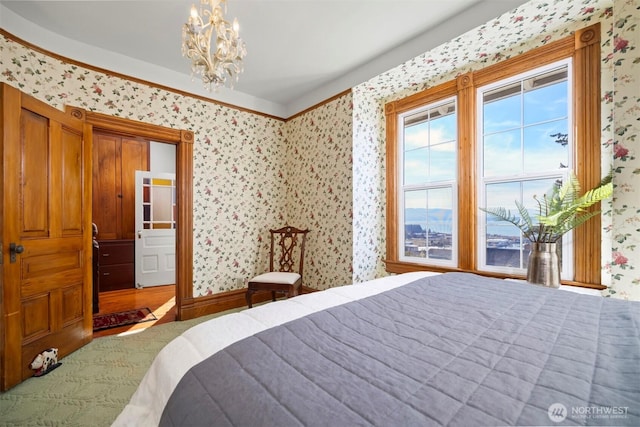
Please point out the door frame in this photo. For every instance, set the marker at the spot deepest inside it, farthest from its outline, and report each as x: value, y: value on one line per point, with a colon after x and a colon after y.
x: 183, y: 140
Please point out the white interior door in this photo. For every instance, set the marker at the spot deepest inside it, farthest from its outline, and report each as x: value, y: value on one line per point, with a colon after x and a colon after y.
x: 155, y: 229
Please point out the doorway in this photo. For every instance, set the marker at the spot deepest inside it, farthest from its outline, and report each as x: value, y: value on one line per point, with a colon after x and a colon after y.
x: 128, y: 244
x: 183, y: 143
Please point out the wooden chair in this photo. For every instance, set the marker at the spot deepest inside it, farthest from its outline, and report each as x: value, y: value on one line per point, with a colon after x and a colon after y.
x: 283, y: 259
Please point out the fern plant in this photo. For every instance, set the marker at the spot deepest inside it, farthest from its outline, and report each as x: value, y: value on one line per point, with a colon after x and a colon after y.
x: 559, y: 211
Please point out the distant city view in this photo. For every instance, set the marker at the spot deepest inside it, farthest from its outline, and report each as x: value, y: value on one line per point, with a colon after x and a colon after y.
x: 431, y: 237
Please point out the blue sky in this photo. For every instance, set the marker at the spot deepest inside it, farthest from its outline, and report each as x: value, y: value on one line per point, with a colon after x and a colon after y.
x: 517, y: 132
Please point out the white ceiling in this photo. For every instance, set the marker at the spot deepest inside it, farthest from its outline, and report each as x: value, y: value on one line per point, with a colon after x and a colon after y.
x: 300, y: 52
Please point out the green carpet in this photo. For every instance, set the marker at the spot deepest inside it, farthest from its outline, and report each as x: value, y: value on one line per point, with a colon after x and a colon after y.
x: 93, y: 384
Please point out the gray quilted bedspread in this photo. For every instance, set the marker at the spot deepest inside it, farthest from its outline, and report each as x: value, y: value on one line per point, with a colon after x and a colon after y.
x: 454, y: 349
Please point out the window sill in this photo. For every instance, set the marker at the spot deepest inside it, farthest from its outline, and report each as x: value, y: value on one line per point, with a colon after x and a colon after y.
x: 397, y: 267
x: 570, y: 288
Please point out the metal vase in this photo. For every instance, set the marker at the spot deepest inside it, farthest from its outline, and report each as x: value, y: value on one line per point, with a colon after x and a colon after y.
x: 544, y: 265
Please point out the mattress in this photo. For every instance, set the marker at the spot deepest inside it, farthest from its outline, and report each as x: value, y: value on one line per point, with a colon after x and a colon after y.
x: 414, y: 349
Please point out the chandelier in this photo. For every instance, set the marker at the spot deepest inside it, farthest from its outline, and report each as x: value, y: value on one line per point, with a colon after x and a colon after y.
x: 208, y: 27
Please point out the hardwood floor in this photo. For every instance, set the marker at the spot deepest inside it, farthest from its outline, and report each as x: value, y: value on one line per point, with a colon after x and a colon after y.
x: 159, y: 299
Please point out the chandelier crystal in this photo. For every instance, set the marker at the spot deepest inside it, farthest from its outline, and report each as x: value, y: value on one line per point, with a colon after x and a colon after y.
x: 209, y: 28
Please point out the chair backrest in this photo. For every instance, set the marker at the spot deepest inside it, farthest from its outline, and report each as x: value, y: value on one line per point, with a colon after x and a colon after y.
x: 285, y: 254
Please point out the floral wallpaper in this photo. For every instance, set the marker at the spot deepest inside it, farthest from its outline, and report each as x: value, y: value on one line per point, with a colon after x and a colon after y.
x: 319, y: 190
x: 239, y: 181
x: 531, y: 25
x: 624, y: 53
x: 325, y: 169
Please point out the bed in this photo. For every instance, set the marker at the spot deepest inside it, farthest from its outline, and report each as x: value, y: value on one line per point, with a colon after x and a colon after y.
x: 413, y: 349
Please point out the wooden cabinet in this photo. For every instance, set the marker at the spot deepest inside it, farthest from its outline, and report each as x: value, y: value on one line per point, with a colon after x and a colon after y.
x: 115, y: 160
x: 117, y: 269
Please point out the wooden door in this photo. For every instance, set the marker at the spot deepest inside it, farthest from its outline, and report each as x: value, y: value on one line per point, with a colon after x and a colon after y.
x: 46, y: 289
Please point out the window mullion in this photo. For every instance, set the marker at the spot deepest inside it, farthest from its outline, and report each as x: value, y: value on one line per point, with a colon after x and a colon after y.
x: 467, y: 173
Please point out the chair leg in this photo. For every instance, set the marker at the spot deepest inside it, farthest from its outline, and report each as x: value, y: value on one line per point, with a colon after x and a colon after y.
x: 247, y: 296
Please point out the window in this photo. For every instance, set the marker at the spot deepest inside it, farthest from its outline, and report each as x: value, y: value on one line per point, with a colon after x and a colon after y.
x: 428, y: 179
x: 525, y: 149
x: 487, y: 138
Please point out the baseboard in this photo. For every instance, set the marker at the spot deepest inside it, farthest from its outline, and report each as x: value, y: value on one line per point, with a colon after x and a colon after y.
x: 210, y: 304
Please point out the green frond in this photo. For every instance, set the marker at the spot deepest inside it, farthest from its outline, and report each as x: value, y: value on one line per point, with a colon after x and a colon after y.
x: 506, y: 215
x: 564, y: 195
x: 503, y: 214
x: 595, y: 195
x: 524, y: 215
x: 576, y: 222
x: 527, y: 227
x: 560, y: 210
x: 607, y: 179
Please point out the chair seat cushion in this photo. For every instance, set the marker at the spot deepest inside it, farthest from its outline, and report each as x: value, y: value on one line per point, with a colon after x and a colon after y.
x: 277, y: 277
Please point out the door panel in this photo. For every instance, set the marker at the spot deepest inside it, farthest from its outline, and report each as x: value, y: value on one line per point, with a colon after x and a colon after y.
x: 35, y: 317
x: 72, y: 183
x: 71, y: 305
x: 34, y: 155
x: 106, y: 186
x: 46, y: 293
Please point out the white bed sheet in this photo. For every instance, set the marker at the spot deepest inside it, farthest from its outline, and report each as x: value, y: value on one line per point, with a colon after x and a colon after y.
x: 201, y: 341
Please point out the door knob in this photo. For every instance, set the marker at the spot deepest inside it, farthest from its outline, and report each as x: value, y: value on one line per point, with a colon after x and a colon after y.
x: 13, y: 251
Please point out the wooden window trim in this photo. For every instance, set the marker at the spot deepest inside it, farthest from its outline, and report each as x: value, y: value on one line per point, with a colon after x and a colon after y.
x: 584, y: 49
